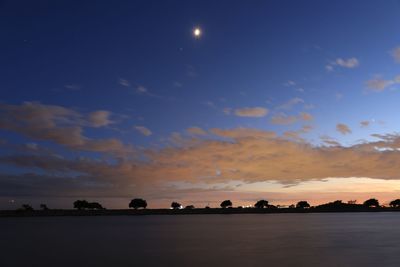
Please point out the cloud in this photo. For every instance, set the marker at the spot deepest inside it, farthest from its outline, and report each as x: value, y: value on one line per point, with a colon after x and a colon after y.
x: 141, y: 90
x: 290, y: 83
x: 283, y: 119
x: 290, y: 103
x: 209, y: 104
x: 329, y: 68
x: 296, y: 135
x: 306, y: 116
x: 349, y: 63
x: 124, y: 82
x: 177, y: 84
x: 240, y: 155
x: 143, y: 130
x: 378, y: 84
x: 100, y: 118
x: 396, y: 54
x: 256, y: 112
x: 343, y: 128
x: 327, y: 140
x: 72, y: 87
x: 364, y: 124
x: 227, y: 111
x: 196, y: 131
x: 59, y: 125
x: 239, y: 133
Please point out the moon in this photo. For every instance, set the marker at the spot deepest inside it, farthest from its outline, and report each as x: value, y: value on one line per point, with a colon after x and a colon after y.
x: 197, y: 32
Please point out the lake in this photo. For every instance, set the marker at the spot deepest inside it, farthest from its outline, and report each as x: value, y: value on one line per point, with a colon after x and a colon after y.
x: 329, y: 239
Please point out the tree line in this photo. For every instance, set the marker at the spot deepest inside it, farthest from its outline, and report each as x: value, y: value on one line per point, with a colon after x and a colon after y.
x: 260, y: 204
x: 138, y: 203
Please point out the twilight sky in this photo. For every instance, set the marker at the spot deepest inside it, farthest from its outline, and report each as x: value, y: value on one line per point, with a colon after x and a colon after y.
x: 281, y: 100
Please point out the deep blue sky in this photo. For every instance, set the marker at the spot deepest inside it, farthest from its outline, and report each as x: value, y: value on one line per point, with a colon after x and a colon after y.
x: 139, y: 61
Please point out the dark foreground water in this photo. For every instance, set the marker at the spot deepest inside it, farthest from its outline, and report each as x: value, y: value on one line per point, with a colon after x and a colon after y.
x: 335, y: 239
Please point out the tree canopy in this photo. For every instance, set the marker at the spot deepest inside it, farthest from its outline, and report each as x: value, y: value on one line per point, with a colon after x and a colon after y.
x: 83, y: 204
x: 302, y: 204
x: 138, y: 203
x: 176, y: 205
x: 226, y: 203
x: 372, y: 203
x: 261, y: 204
x: 395, y: 203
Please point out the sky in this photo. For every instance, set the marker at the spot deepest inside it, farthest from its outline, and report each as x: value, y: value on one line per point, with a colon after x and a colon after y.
x: 278, y: 100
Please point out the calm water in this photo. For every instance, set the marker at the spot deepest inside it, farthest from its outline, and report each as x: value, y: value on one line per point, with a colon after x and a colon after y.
x: 357, y: 239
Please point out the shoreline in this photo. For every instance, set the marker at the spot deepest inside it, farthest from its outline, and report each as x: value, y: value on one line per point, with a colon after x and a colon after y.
x: 210, y: 211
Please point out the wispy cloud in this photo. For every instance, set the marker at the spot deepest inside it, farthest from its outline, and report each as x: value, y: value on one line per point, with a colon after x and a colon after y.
x: 196, y: 131
x: 100, y: 118
x: 143, y: 130
x: 327, y: 140
x: 365, y: 124
x: 343, y: 128
x: 227, y: 111
x: 297, y: 135
x: 124, y: 82
x: 141, y: 90
x: 177, y: 84
x: 60, y: 125
x: 290, y: 83
x: 349, y: 63
x: 378, y: 84
x: 256, y: 112
x: 290, y: 103
x: 283, y: 119
x: 72, y: 87
x: 396, y: 54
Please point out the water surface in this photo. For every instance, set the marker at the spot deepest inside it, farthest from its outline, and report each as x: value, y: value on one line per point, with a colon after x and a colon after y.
x: 334, y: 239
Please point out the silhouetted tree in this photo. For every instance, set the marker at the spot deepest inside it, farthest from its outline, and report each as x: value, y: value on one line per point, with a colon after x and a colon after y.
x: 27, y: 207
x: 44, y: 207
x: 371, y: 203
x: 189, y: 207
x: 226, y: 203
x: 176, y: 205
x: 339, y: 205
x: 395, y: 203
x: 302, y: 204
x: 81, y: 204
x: 292, y: 206
x: 207, y: 207
x: 261, y: 204
x: 138, y: 203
